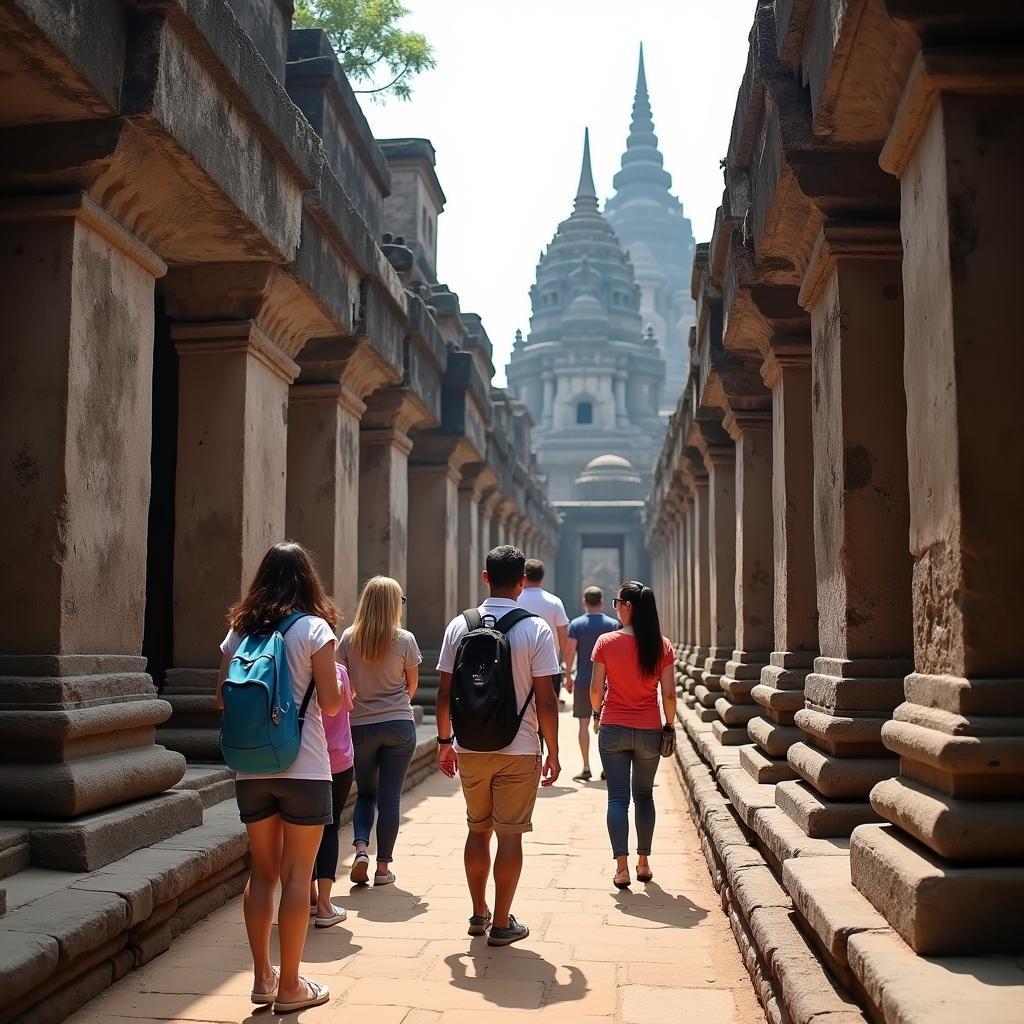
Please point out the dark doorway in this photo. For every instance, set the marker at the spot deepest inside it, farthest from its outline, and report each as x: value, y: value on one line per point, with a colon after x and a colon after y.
x: 158, y: 638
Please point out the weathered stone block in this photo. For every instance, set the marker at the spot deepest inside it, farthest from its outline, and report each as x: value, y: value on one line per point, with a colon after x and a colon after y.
x: 818, y: 817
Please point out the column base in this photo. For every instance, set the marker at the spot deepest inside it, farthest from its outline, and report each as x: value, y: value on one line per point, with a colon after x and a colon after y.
x: 194, y: 728
x: 729, y: 736
x: 939, y: 909
x: 818, y: 817
x: 704, y: 696
x: 763, y: 769
x: 773, y: 739
x: 840, y: 778
x: 736, y: 715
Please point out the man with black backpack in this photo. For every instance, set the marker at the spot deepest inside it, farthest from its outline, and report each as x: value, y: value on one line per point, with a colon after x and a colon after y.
x: 494, y: 702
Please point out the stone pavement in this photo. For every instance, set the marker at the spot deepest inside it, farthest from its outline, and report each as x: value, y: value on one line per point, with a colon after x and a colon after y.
x: 655, y: 954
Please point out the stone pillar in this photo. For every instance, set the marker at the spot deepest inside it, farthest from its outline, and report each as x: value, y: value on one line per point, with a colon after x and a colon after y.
x: 780, y: 692
x: 621, y: 413
x: 77, y: 710
x: 720, y: 460
x: 948, y: 873
x: 323, y: 483
x: 547, y: 412
x: 752, y: 434
x: 487, y: 507
x: 701, y: 595
x: 433, y: 587
x: 229, y: 505
x: 687, y: 641
x: 468, y: 591
x: 853, y: 291
x: 383, y: 503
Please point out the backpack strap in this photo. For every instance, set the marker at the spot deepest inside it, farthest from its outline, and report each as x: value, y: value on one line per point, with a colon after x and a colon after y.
x: 285, y: 624
x: 474, y: 620
x: 512, y: 618
x: 304, y: 707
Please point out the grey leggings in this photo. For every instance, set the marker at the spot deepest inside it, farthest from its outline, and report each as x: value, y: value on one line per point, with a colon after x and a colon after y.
x: 630, y: 758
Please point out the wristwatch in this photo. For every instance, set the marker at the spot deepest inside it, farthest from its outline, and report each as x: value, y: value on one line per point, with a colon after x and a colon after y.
x: 442, y: 742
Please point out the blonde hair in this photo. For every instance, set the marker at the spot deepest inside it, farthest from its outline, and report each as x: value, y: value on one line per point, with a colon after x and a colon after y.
x: 378, y: 618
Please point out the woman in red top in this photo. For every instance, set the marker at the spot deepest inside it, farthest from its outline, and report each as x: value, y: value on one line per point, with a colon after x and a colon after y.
x: 634, y: 663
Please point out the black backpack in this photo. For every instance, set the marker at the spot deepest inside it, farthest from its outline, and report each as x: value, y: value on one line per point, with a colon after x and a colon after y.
x: 485, y: 715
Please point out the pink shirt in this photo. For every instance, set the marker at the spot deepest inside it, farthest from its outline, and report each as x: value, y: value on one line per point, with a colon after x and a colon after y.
x: 338, y: 729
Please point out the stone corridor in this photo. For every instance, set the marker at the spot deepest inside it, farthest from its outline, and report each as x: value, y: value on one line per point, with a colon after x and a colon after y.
x: 645, y: 956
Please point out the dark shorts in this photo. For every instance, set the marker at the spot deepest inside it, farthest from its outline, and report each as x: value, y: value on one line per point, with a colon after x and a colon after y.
x: 297, y: 801
x: 581, y: 707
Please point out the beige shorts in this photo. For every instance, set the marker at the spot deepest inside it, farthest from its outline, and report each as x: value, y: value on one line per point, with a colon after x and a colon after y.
x: 500, y: 790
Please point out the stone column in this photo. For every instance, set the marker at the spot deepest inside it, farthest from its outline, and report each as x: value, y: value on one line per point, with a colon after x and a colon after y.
x: 471, y: 515
x: 752, y: 434
x: 720, y: 460
x: 383, y: 503
x: 853, y: 291
x: 77, y: 710
x: 323, y: 483
x: 780, y: 692
x: 621, y: 413
x: 948, y: 873
x: 433, y: 535
x: 547, y: 412
x: 229, y: 505
x: 487, y: 507
x: 687, y: 641
x: 701, y: 594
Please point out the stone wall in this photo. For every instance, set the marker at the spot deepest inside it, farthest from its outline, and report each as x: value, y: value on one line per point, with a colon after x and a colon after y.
x: 835, y: 515
x: 210, y: 347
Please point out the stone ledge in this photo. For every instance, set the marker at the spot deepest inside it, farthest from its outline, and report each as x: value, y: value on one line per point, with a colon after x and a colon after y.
x: 790, y: 981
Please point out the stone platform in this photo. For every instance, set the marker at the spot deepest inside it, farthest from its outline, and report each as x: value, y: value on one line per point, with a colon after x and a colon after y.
x: 66, y: 936
x: 801, y: 923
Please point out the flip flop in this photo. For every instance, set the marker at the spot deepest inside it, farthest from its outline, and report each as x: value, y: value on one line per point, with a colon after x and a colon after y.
x: 326, y: 922
x: 265, y: 998
x: 620, y: 885
x: 360, y: 873
x: 385, y: 879
x: 648, y: 877
x: 321, y: 994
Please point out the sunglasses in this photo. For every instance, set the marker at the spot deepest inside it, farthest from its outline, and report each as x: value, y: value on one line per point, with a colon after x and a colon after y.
x: 616, y: 601
x: 404, y: 599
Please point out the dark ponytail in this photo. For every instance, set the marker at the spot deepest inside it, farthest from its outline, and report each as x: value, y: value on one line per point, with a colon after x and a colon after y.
x: 646, y: 626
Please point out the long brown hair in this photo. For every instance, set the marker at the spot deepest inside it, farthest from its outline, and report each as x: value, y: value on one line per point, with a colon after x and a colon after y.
x: 285, y: 582
x: 378, y: 618
x: 646, y: 626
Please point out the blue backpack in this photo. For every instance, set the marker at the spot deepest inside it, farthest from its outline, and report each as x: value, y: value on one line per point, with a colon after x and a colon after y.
x: 261, y: 728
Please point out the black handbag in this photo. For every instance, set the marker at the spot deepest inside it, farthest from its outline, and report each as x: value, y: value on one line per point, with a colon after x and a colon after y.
x: 668, y: 741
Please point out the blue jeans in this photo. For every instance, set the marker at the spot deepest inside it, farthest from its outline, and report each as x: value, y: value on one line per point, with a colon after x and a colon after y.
x: 629, y: 752
x: 383, y: 753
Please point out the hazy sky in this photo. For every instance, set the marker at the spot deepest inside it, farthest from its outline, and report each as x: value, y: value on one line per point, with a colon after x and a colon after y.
x: 514, y: 87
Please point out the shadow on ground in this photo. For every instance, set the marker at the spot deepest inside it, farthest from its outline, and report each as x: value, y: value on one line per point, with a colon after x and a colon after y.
x: 520, y: 996
x: 652, y: 903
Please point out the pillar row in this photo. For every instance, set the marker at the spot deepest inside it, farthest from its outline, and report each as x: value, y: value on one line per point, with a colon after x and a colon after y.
x: 853, y: 292
x: 780, y: 690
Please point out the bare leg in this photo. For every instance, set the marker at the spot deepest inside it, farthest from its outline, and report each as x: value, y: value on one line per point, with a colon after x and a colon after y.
x: 478, y: 869
x: 508, y: 866
x: 621, y: 869
x: 585, y: 742
x: 324, y: 907
x: 258, y: 901
x: 300, y: 845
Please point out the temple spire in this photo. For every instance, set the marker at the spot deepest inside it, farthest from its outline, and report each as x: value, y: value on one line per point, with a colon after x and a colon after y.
x: 586, y: 193
x: 643, y: 169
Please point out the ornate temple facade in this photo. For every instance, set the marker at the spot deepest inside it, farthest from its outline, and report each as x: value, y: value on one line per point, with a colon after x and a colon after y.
x: 591, y: 378
x: 651, y: 227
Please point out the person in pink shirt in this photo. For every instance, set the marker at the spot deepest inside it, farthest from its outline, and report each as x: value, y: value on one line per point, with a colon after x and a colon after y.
x: 338, y: 730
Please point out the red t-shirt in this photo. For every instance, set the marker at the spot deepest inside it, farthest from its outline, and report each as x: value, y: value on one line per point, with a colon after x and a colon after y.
x: 631, y: 699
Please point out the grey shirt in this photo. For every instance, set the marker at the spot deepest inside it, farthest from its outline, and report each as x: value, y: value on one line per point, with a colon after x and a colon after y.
x: 379, y: 686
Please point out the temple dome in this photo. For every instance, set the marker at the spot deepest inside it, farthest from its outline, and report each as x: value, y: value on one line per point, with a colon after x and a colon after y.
x: 609, y: 478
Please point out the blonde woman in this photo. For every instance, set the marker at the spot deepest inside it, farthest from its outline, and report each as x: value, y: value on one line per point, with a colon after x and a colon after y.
x: 383, y: 662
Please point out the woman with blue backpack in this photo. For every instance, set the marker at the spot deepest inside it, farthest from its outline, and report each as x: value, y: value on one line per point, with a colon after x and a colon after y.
x: 277, y: 678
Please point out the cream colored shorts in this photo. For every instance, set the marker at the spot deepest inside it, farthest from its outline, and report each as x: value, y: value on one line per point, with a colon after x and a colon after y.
x: 500, y: 790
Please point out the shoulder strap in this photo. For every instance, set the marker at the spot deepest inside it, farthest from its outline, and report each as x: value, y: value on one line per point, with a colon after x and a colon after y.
x: 304, y: 707
x: 287, y: 623
x: 474, y: 620
x: 512, y: 618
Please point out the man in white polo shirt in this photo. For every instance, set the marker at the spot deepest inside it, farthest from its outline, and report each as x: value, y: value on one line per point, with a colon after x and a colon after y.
x: 500, y: 786
x: 536, y: 599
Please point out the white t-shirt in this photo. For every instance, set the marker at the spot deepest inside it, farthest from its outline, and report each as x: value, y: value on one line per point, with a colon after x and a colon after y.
x: 301, y: 642
x: 533, y: 655
x: 547, y: 606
